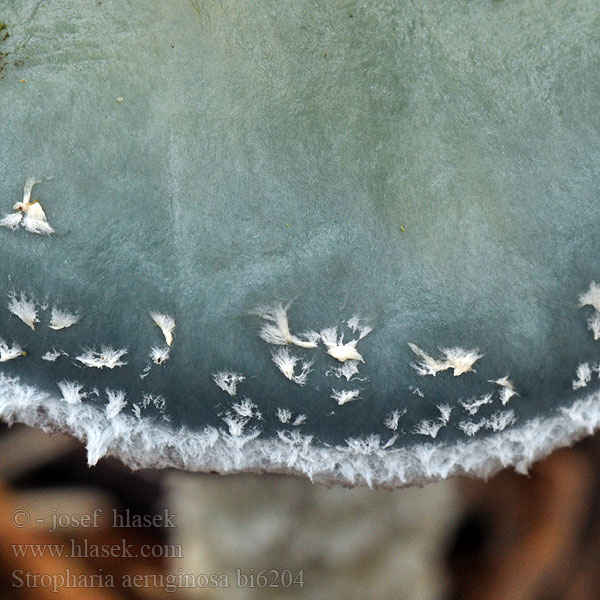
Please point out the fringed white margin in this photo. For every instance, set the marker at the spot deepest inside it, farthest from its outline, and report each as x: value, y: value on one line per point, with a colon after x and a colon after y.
x: 146, y: 443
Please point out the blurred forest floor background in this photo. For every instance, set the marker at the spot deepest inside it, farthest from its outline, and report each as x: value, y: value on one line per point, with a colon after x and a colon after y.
x: 514, y: 537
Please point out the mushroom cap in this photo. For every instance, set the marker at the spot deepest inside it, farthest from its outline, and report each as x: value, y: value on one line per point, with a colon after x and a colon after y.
x: 431, y: 168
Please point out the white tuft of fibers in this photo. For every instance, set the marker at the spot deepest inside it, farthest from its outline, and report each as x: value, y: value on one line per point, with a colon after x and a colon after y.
x: 445, y: 412
x: 299, y: 420
x: 166, y: 325
x: 159, y: 355
x: 459, y: 360
x: 593, y: 324
x: 338, y: 349
x: 295, y: 441
x: 11, y: 221
x: 245, y: 408
x: 34, y: 219
x: 155, y: 400
x: 24, y: 308
x: 507, y: 390
x: 301, y: 378
x: 357, y: 325
x: 53, y: 354
x: 10, y: 352
x: 284, y: 415
x: 430, y: 428
x: 416, y: 390
x: 277, y: 330
x: 347, y: 369
x: 116, y: 403
x: 71, y: 391
x: 472, y: 405
x: 62, y: 319
x: 584, y: 376
x: 235, y: 424
x: 228, y: 381
x: 286, y: 363
x: 37, y: 225
x: 29, y: 215
x: 369, y: 445
x: 499, y: 421
x: 591, y: 297
x: 106, y: 357
x: 392, y: 419
x: 470, y: 428
x: 344, y: 396
x: 428, y: 365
